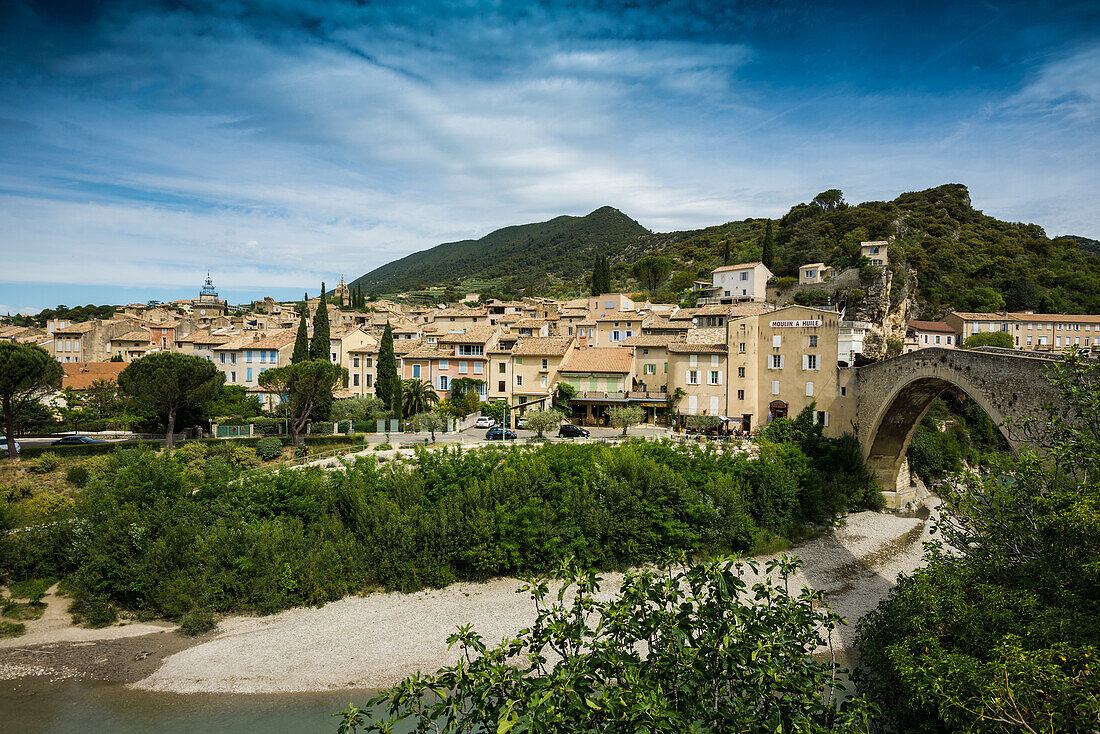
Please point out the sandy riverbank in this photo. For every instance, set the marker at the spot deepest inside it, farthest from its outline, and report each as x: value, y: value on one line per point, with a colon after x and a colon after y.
x: 374, y: 641
x: 54, y: 648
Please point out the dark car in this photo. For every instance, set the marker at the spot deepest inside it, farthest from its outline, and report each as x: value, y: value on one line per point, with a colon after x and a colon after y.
x: 568, y: 430
x: 76, y: 441
x: 499, y: 433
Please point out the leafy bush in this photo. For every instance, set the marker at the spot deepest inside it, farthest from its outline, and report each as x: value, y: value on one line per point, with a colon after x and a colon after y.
x: 781, y: 282
x: 269, y: 448
x: 869, y: 274
x: 266, y: 425
x: 90, y: 449
x: 47, y: 505
x: 813, y: 297
x: 192, y: 453
x: 45, y: 463
x: 322, y: 428
x: 96, y: 466
x: 383, y: 447
x: 700, y: 671
x: 11, y: 629
x: 76, y: 475
x: 988, y: 339
x: 243, y: 457
x: 197, y: 622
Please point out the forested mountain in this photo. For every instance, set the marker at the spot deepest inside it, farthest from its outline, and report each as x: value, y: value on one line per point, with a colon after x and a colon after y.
x: 562, y: 248
x: 962, y: 259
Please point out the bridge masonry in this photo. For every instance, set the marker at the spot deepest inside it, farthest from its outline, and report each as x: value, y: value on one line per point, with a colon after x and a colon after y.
x: 893, y: 396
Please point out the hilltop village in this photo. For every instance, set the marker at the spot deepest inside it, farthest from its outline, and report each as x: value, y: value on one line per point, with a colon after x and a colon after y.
x: 743, y: 356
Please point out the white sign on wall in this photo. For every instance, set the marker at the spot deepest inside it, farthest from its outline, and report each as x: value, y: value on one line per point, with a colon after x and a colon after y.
x: 797, y: 324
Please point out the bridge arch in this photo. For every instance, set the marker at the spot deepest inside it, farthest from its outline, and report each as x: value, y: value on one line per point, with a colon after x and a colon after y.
x: 895, y: 394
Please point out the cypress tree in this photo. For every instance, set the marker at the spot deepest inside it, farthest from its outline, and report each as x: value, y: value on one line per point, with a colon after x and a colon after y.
x: 596, y: 276
x: 387, y: 386
x: 767, y: 252
x: 318, y: 348
x: 605, y: 269
x: 726, y: 252
x: 301, y: 342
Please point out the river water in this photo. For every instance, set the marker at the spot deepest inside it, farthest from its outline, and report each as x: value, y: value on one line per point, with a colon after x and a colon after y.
x: 111, y: 708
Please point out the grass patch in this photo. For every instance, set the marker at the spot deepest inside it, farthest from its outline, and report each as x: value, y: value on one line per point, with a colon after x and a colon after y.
x: 22, y: 610
x: 11, y: 629
x: 32, y: 589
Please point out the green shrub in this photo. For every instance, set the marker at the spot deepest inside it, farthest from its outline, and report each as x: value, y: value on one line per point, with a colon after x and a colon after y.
x: 76, y: 475
x: 383, y: 447
x: 47, y: 505
x: 321, y: 428
x: 269, y: 448
x: 192, y: 453
x: 96, y: 466
x: 197, y: 622
x: 811, y: 297
x: 11, y: 629
x: 94, y: 610
x: 266, y: 425
x: 90, y: 449
x: 45, y: 463
x: 243, y: 457
x: 31, y: 589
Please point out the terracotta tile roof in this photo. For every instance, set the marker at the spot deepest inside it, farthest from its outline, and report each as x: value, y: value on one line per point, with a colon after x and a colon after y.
x: 1063, y: 317
x: 574, y: 313
x: 133, y: 336
x: 739, y: 266
x: 549, y: 345
x: 750, y: 309
x: 600, y: 359
x: 529, y: 323
x: 688, y: 348
x: 80, y: 375
x: 472, y: 335
x: 401, y: 347
x: 970, y: 316
x: 622, y: 316
x: 666, y: 325
x: 930, y: 326
x: 715, y: 335
x: 651, y: 340
x: 81, y: 328
x: 684, y: 314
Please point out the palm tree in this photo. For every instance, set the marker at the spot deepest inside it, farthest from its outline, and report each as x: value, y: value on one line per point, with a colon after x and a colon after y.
x: 417, y: 396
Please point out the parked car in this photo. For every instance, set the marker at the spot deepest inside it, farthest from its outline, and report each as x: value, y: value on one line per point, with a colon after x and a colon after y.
x: 4, y: 447
x: 483, y: 422
x: 76, y: 441
x: 499, y: 433
x: 568, y: 430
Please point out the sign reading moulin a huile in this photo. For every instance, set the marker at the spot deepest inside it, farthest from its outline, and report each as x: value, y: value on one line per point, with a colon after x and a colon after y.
x: 797, y: 324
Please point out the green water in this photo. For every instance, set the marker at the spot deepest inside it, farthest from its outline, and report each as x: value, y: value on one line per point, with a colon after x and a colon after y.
x: 110, y: 708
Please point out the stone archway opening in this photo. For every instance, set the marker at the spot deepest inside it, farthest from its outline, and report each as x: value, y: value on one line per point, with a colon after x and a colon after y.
x: 900, y: 420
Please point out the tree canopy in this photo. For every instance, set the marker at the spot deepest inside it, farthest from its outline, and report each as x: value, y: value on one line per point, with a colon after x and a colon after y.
x: 387, y: 384
x: 27, y: 371
x: 166, y: 382
x: 301, y: 388
x: 319, y: 347
x: 301, y: 340
x: 652, y: 271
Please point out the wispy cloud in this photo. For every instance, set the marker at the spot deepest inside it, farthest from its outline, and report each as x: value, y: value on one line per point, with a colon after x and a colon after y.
x: 279, y: 143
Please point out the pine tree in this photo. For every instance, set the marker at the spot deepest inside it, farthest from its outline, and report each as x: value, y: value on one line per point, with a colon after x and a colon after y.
x: 301, y: 341
x: 767, y: 253
x: 387, y: 385
x: 318, y: 348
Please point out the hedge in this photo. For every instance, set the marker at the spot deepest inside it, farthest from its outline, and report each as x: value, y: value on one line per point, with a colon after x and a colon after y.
x: 240, y: 441
x: 352, y: 440
x: 88, y: 449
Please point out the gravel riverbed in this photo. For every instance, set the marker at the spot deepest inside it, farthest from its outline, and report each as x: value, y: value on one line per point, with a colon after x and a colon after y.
x: 376, y: 640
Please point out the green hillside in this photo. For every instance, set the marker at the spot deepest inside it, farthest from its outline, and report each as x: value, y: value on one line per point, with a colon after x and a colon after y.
x: 963, y: 259
x: 563, y: 248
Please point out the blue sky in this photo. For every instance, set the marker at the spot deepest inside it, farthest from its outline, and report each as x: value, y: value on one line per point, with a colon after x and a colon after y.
x: 278, y: 143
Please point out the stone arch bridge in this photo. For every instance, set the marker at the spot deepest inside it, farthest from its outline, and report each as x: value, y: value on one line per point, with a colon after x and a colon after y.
x: 893, y: 396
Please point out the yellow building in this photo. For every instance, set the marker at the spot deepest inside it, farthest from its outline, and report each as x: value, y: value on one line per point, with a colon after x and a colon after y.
x: 784, y: 360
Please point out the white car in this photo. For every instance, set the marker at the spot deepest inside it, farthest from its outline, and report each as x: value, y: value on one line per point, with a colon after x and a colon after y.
x: 483, y: 421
